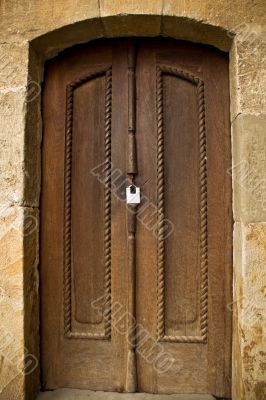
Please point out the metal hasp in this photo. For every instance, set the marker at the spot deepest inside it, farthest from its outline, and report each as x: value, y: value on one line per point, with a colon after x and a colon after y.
x: 131, y: 377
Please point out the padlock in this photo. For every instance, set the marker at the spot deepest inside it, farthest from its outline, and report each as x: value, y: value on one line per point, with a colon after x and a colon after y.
x: 133, y: 194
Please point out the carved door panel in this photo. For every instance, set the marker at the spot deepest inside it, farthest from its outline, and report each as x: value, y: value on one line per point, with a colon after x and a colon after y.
x: 83, y: 226
x: 184, y: 268
x: 134, y: 297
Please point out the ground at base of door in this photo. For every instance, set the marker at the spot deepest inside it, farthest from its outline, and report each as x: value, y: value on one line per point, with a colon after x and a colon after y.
x: 74, y: 394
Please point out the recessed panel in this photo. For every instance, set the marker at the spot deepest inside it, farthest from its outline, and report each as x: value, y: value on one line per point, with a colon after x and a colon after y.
x: 88, y: 199
x: 181, y: 206
x: 88, y: 205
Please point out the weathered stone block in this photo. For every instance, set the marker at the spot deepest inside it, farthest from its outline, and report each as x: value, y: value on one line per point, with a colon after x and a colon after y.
x: 189, y: 29
x: 57, y: 40
x: 13, y: 65
x: 219, y: 12
x: 249, y: 311
x: 132, y: 25
x: 11, y: 294
x: 14, y: 390
x: 12, y: 122
x: 251, y: 72
x: 18, y: 303
x: 249, y: 168
x: 110, y: 7
x: 26, y: 20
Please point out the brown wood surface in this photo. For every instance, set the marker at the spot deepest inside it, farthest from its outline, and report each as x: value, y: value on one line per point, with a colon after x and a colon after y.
x: 82, y: 362
x: 198, y: 367
x: 183, y: 282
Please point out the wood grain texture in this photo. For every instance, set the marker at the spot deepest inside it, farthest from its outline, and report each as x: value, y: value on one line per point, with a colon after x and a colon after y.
x: 81, y: 350
x: 187, y: 135
x: 81, y: 250
x: 188, y: 198
x: 157, y: 116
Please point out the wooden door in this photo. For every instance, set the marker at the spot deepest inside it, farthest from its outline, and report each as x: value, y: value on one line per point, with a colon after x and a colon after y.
x: 184, y: 234
x: 83, y: 226
x: 134, y: 297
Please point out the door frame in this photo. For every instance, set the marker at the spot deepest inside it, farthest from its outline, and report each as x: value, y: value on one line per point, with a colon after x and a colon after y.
x: 47, y: 46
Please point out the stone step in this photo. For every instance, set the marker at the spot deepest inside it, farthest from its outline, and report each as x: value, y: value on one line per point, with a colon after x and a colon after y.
x: 74, y: 394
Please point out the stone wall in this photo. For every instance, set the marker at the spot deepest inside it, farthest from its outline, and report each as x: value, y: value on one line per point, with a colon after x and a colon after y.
x: 32, y: 31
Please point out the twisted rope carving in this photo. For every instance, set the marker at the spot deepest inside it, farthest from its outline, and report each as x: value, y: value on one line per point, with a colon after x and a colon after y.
x: 67, y: 211
x: 107, y: 206
x: 83, y: 335
x: 160, y: 206
x: 203, y: 214
x: 203, y: 210
x: 182, y: 339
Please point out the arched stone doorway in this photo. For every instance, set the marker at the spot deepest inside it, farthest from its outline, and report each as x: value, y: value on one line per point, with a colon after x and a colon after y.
x: 39, y: 35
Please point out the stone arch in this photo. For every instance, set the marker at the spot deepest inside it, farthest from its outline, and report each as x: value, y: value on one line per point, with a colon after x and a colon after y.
x: 177, y: 27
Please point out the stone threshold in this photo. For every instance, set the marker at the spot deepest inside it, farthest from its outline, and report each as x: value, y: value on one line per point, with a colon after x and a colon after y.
x: 76, y: 394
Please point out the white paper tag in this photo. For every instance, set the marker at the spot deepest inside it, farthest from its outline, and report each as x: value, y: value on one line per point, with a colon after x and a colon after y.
x: 133, y: 194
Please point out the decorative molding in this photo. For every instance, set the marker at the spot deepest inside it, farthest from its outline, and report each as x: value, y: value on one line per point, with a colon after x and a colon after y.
x: 132, y: 169
x: 166, y: 70
x: 67, y: 279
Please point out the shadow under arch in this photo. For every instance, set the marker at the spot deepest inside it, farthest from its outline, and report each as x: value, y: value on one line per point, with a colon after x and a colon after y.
x: 176, y: 27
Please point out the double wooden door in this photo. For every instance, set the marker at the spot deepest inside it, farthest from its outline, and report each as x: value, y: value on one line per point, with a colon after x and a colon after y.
x: 134, y: 296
